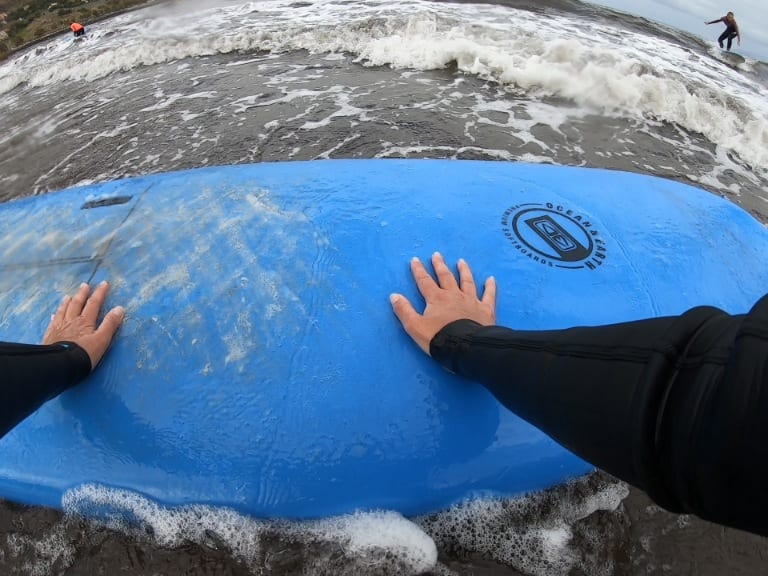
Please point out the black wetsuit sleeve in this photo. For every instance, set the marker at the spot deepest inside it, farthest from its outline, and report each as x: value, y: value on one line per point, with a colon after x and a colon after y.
x: 676, y: 406
x: 30, y: 375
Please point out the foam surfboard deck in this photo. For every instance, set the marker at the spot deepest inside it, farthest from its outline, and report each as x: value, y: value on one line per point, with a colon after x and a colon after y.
x: 260, y: 366
x: 732, y: 57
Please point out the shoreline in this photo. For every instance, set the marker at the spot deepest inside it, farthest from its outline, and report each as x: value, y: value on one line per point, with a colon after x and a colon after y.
x: 89, y: 22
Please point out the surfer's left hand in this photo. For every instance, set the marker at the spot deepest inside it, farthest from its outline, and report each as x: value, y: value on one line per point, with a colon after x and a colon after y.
x: 446, y: 301
x: 75, y: 321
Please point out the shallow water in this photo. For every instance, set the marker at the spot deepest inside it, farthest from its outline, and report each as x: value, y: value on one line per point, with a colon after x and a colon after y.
x: 557, y: 532
x: 187, y: 84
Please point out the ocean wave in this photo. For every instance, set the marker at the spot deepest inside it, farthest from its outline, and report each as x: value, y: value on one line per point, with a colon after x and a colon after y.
x: 605, y: 69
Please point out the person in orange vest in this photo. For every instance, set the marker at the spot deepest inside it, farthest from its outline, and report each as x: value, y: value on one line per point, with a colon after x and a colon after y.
x: 77, y: 29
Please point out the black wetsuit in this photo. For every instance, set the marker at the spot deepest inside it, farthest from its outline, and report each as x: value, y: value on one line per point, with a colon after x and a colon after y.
x: 731, y: 31
x: 30, y: 375
x: 676, y: 406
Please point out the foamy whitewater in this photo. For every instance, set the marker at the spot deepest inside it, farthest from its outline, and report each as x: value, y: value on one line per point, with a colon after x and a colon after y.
x: 185, y: 84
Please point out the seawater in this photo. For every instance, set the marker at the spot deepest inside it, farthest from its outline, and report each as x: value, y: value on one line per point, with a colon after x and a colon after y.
x: 186, y: 84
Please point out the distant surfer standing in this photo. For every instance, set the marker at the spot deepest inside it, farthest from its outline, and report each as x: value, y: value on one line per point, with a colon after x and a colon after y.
x: 731, y: 30
x: 77, y: 29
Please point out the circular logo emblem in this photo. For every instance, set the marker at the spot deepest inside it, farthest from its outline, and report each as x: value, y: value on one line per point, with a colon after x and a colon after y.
x: 554, y: 235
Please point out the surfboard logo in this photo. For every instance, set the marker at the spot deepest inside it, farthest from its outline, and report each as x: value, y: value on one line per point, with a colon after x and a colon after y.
x: 555, y: 236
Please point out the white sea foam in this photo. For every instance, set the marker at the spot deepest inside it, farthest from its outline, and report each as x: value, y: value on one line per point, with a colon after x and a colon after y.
x: 534, y: 534
x: 386, y: 538
x: 40, y: 554
x: 560, y: 56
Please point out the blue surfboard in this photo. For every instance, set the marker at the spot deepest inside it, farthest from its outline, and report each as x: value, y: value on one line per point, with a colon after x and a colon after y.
x: 260, y: 366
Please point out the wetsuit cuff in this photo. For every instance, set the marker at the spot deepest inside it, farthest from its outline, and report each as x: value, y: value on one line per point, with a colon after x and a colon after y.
x: 756, y: 320
x: 32, y: 374
x: 451, y: 340
x: 78, y: 361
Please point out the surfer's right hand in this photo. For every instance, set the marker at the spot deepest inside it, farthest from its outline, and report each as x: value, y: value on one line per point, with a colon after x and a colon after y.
x: 75, y: 321
x: 446, y: 301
